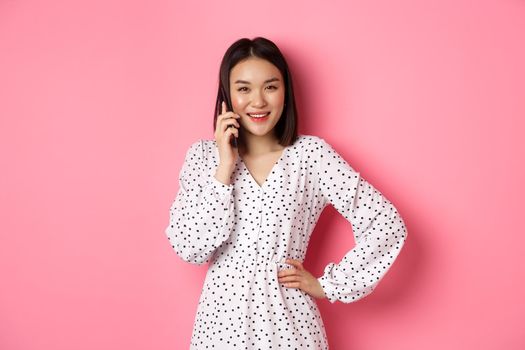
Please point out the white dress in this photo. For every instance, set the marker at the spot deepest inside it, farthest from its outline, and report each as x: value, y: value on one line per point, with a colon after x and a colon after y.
x: 246, y: 231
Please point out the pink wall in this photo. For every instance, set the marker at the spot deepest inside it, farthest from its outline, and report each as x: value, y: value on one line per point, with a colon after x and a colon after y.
x: 100, y: 99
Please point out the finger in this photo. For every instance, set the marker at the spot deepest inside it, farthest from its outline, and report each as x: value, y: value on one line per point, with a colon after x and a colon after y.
x: 292, y: 284
x: 234, y: 131
x: 227, y: 120
x: 286, y: 272
x: 223, y: 107
x: 230, y: 124
x: 232, y: 121
x: 295, y: 263
x: 227, y: 116
x: 289, y: 279
x: 289, y: 272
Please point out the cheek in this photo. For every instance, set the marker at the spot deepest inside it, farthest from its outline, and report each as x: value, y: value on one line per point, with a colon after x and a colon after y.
x: 278, y: 99
x: 238, y: 100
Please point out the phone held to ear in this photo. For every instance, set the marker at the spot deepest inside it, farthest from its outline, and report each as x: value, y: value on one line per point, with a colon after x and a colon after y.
x: 233, y: 139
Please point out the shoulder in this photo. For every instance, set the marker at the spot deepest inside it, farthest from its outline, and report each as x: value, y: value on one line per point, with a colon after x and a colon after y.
x: 308, y: 142
x: 207, y: 144
x: 311, y: 143
x: 321, y: 144
x: 195, y: 151
x: 202, y: 145
x: 208, y: 147
x: 194, y: 148
x: 205, y: 150
x: 325, y: 152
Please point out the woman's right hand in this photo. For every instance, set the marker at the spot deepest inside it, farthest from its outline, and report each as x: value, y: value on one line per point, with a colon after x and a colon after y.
x: 223, y: 133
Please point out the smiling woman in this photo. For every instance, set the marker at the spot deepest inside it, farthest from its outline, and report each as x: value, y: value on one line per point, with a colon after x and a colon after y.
x: 250, y: 211
x: 254, y: 78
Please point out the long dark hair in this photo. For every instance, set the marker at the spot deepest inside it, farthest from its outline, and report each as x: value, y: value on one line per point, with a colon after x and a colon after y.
x: 286, y: 127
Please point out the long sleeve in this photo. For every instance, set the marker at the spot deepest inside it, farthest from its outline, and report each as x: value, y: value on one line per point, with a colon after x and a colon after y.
x: 201, y: 216
x: 378, y: 229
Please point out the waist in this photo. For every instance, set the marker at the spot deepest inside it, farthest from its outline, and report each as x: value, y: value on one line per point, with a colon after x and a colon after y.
x: 255, y: 264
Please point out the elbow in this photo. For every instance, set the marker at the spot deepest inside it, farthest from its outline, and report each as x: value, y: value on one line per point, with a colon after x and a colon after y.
x: 400, y: 230
x: 191, y: 256
x: 349, y: 295
x: 356, y: 294
x: 184, y: 249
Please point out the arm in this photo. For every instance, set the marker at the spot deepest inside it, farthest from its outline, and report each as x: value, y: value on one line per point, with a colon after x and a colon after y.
x: 378, y: 229
x: 201, y: 216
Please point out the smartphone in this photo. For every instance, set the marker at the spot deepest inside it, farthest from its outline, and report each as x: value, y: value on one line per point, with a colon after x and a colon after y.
x: 233, y: 139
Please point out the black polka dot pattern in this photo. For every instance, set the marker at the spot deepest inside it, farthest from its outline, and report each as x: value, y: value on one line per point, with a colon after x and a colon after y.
x: 245, y: 231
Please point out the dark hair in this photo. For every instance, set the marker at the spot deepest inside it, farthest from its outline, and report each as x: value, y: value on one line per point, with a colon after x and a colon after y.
x: 286, y: 127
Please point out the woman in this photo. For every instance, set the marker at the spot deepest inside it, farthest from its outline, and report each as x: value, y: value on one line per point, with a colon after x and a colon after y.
x: 248, y: 202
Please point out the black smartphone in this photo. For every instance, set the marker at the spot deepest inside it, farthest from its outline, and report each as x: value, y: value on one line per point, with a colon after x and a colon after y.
x: 233, y: 139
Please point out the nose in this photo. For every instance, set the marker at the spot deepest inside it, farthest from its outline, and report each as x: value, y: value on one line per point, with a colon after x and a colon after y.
x: 258, y: 100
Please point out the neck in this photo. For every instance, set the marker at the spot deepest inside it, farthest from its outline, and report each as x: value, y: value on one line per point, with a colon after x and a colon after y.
x: 256, y: 145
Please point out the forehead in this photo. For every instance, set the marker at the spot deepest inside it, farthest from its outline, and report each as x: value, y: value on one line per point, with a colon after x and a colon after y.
x: 255, y: 70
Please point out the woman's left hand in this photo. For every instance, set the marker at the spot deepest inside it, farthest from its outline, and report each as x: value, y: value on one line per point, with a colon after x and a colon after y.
x: 299, y: 277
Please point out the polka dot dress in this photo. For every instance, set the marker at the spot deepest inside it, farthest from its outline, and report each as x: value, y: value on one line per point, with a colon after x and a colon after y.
x: 245, y: 231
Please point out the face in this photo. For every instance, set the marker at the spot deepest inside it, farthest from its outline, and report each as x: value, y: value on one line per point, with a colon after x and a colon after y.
x: 257, y: 86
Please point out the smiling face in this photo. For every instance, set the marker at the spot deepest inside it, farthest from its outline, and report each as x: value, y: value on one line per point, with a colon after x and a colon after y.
x: 257, y: 87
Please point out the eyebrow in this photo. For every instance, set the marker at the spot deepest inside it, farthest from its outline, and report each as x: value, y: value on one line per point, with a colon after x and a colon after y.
x: 247, y: 82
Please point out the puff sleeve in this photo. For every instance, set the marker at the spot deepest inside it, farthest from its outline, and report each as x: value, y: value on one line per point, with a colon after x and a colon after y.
x: 378, y: 229
x: 201, y: 215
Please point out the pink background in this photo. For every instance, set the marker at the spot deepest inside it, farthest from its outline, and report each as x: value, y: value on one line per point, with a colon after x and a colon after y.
x: 99, y: 101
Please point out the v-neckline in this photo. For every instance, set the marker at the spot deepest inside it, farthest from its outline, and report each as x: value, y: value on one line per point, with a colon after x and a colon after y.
x: 272, y: 170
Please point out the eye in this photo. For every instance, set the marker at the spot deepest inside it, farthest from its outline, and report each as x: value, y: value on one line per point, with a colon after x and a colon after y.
x: 272, y: 86
x: 241, y: 89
